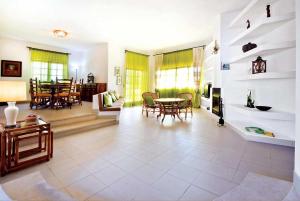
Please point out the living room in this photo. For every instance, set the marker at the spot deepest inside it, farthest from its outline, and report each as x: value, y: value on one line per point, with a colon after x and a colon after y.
x: 130, y: 100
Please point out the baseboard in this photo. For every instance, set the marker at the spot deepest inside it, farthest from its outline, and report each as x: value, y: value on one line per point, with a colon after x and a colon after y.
x: 297, y: 183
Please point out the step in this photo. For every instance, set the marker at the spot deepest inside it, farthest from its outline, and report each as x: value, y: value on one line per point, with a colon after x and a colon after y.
x: 71, y: 120
x: 60, y: 131
x: 258, y: 187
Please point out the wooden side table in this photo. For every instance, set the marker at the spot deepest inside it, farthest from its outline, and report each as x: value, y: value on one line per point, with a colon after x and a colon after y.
x: 25, y: 145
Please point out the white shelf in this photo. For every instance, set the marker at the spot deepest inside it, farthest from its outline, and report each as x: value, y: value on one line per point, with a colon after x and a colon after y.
x: 279, y: 138
x: 253, y: 9
x: 266, y: 76
x: 271, y: 114
x: 264, y: 50
x: 262, y: 27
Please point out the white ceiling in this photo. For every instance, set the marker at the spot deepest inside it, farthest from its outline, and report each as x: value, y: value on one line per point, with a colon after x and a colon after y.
x: 140, y: 24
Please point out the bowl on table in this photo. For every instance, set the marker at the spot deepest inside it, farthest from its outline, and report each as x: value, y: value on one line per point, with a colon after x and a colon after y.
x: 263, y: 108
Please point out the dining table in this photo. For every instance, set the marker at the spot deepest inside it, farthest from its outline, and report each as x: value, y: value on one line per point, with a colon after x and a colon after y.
x: 169, y: 106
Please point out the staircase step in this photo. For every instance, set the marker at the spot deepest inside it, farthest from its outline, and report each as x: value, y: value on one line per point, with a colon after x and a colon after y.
x: 258, y: 187
x: 71, y: 120
x: 60, y: 131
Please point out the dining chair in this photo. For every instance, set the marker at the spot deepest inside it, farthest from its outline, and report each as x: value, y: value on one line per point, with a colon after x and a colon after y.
x: 187, y: 105
x: 62, y: 94
x: 38, y: 97
x: 149, y: 104
x: 76, y: 92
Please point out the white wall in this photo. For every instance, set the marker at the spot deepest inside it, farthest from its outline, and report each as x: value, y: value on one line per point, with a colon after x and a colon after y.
x: 297, y: 151
x: 96, y: 62
x: 116, y: 58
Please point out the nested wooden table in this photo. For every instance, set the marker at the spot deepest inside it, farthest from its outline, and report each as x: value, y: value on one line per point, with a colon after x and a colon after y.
x: 25, y: 145
x: 169, y: 106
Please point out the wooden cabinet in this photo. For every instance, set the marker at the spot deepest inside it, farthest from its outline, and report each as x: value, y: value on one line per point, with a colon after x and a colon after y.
x: 88, y: 90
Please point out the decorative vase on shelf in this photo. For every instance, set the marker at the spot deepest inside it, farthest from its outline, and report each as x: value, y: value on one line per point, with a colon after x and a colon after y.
x: 250, y: 101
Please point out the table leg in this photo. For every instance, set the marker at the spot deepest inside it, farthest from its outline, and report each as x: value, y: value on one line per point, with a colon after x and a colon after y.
x: 3, y: 154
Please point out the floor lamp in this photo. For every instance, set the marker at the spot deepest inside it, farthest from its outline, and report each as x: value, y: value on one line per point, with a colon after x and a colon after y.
x: 10, y: 92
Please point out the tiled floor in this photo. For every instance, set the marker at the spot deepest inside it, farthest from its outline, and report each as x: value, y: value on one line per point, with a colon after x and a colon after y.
x: 141, y: 160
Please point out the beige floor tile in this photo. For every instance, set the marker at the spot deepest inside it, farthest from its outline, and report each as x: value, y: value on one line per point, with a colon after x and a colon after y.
x: 213, y: 184
x: 85, y: 188
x: 171, y: 186
x: 110, y: 174
x: 148, y: 174
x: 129, y: 164
x: 197, y: 194
x: 184, y: 172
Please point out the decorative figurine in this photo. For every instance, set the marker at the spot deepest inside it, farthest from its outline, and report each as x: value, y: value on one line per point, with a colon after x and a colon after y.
x: 248, y: 47
x: 248, y: 24
x: 259, y: 66
x: 221, y: 120
x: 268, y: 11
x: 250, y: 102
x: 215, y: 48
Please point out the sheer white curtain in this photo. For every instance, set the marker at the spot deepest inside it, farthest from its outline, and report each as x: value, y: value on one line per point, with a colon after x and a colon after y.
x: 198, y: 58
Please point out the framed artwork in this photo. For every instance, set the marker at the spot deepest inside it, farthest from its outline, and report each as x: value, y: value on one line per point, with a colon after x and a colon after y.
x: 11, y: 68
x: 117, y: 71
x: 118, y: 80
x: 259, y: 66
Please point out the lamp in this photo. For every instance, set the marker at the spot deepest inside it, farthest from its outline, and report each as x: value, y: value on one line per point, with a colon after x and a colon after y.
x: 10, y: 92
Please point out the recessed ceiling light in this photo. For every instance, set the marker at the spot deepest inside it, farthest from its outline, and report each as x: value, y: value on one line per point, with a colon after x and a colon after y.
x: 60, y: 33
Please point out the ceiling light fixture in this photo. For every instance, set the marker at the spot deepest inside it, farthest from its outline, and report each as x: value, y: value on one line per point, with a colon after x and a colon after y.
x: 60, y: 33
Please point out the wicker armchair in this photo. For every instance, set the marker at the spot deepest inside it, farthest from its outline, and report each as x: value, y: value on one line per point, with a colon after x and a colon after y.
x: 187, y: 105
x: 149, y: 104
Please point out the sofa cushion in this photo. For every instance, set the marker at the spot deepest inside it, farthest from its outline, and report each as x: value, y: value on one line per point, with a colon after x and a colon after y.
x: 114, y: 98
x: 107, y: 100
x: 149, y: 101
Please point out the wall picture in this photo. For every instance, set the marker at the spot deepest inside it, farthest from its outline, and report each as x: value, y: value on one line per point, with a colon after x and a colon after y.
x: 11, y: 68
x: 118, y: 80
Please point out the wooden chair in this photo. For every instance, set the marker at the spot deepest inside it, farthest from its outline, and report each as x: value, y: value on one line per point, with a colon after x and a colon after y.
x: 38, y: 98
x: 187, y: 105
x: 76, y: 92
x: 149, y: 104
x: 63, y: 93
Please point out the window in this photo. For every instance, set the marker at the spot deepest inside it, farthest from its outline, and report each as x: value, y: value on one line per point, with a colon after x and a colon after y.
x: 134, y: 85
x: 136, y: 77
x: 47, y: 65
x: 41, y: 72
x: 178, y: 78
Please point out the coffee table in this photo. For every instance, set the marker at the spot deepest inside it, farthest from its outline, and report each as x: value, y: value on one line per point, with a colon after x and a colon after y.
x: 169, y: 106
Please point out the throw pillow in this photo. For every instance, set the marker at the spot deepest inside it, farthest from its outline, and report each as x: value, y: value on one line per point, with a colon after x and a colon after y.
x: 107, y: 100
x: 112, y: 96
x: 149, y: 101
x: 116, y: 95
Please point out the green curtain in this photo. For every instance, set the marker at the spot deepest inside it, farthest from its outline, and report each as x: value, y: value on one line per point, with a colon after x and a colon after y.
x: 51, y: 57
x: 178, y: 59
x: 178, y: 72
x: 136, y: 77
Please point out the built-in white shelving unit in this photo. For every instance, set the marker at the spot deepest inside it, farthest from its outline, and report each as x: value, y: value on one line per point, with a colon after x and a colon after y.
x: 251, y: 11
x: 278, y: 92
x: 262, y: 27
x: 263, y: 50
x: 268, y: 76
